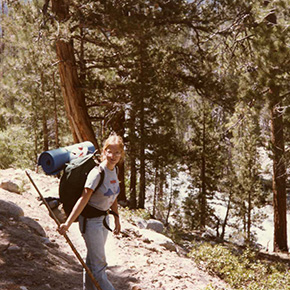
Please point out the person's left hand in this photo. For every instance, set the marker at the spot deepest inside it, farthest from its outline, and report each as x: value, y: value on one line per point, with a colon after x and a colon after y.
x: 117, y: 229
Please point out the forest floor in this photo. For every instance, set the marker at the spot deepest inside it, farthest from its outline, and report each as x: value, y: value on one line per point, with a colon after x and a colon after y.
x: 29, y: 261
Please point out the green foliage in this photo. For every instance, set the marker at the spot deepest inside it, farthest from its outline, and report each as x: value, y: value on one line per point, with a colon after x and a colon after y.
x: 17, y: 148
x: 30, y: 95
x: 241, y: 269
x: 131, y: 215
x: 248, y: 194
x: 206, y: 155
x: 191, y: 211
x: 6, y: 155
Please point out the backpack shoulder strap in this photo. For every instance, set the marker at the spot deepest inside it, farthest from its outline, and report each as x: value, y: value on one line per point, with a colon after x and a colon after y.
x: 102, y: 172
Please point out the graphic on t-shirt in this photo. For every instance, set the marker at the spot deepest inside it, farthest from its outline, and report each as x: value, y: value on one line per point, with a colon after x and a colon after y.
x: 110, y: 192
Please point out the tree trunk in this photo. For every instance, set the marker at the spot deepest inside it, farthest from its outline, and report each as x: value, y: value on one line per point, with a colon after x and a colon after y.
x: 155, y: 189
x: 118, y: 124
x: 203, y: 196
x: 244, y: 212
x: 44, y: 114
x: 141, y: 202
x: 82, y: 63
x: 133, y: 179
x: 132, y: 155
x: 249, y: 221
x: 45, y: 131
x: 122, y: 196
x: 56, y: 138
x: 170, y: 202
x: 279, y: 179
x: 203, y: 181
x: 61, y: 9
x: 74, y: 98
x: 226, y: 216
x: 161, y: 182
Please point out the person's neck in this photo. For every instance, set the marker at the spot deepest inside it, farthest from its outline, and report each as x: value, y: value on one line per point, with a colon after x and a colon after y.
x: 109, y: 166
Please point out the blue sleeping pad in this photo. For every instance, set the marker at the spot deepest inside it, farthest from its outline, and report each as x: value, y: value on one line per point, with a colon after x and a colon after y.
x: 53, y: 161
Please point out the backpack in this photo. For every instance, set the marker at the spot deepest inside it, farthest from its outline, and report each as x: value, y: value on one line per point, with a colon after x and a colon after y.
x: 72, y: 184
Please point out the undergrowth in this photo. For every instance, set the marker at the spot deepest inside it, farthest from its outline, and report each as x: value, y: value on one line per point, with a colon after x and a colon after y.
x: 241, y: 269
x: 132, y: 214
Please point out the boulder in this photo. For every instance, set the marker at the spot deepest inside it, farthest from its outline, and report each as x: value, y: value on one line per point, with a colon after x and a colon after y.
x: 158, y: 239
x: 10, y: 186
x: 9, y: 208
x: 155, y: 225
x: 34, y: 225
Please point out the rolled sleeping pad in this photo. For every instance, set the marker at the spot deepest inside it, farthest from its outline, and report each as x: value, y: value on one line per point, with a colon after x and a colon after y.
x: 53, y: 161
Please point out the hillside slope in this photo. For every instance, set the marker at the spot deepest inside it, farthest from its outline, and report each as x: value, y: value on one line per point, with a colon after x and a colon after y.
x: 33, y: 256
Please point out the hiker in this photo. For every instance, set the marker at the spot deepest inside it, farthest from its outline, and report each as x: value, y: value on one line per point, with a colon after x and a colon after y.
x: 105, y: 198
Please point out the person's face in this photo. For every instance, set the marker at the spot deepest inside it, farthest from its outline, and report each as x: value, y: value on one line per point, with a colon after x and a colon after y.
x: 113, y: 155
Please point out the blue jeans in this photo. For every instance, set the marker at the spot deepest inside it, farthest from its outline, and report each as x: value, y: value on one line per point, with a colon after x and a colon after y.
x: 95, y: 237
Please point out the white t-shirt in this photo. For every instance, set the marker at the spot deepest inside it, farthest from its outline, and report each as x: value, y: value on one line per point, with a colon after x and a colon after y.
x: 106, y: 194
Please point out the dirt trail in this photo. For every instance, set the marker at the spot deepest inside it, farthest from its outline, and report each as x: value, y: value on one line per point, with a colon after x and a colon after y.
x: 31, y: 262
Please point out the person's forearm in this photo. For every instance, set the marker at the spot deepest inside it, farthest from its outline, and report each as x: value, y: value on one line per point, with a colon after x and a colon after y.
x: 78, y: 207
x: 114, y: 207
x: 76, y: 211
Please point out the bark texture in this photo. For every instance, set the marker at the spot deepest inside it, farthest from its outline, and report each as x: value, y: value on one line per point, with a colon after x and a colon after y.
x: 279, y: 180
x: 73, y: 96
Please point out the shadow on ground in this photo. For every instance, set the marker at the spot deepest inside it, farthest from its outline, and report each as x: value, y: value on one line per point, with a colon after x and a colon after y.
x: 25, y: 260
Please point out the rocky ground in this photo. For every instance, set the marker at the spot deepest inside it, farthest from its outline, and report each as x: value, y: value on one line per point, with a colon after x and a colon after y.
x: 33, y: 256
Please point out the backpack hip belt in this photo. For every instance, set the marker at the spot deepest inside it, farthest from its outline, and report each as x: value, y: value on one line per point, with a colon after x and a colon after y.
x: 92, y: 212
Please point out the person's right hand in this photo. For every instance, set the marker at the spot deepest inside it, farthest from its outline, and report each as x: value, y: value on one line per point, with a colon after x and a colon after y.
x: 63, y: 228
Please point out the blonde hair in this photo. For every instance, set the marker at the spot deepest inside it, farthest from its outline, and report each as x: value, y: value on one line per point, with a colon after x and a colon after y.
x: 113, y: 139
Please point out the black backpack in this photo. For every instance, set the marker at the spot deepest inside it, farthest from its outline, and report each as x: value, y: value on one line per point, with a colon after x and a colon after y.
x: 72, y: 184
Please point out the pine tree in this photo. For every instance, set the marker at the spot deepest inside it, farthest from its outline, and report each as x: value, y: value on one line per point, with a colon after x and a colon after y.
x: 205, y: 148
x: 246, y: 142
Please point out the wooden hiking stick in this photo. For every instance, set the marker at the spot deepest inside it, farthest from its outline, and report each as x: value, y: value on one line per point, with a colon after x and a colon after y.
x: 65, y: 235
